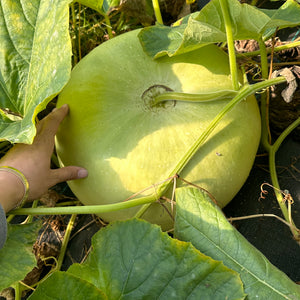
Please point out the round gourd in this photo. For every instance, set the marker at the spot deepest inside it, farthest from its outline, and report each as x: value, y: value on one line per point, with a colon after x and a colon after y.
x: 127, y: 144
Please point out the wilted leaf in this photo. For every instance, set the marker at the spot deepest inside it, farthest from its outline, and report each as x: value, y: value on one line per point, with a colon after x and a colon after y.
x: 16, y: 257
x: 61, y: 285
x: 35, y: 62
x: 202, y: 223
x: 135, y: 260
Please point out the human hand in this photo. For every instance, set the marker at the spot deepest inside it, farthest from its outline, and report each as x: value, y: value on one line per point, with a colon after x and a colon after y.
x: 34, y: 160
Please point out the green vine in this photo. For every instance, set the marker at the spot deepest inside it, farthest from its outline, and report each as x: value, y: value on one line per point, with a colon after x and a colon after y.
x: 272, y: 149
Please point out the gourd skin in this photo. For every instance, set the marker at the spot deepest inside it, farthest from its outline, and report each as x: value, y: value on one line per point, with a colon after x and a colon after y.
x: 127, y: 145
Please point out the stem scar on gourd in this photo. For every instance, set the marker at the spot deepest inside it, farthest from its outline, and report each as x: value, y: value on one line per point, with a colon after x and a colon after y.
x: 149, y: 95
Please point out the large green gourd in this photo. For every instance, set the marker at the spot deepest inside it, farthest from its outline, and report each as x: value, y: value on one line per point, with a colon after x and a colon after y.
x: 127, y: 145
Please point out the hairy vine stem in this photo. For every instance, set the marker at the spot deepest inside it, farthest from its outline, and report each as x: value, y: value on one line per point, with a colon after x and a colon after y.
x: 267, y: 143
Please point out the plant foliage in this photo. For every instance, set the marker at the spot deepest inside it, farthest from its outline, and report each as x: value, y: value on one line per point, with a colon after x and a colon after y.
x: 202, y: 223
x: 208, y: 26
x: 134, y: 259
x: 16, y: 258
x: 35, y: 62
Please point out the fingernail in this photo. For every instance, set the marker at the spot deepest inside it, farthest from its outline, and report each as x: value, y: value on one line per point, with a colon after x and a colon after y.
x: 82, y: 173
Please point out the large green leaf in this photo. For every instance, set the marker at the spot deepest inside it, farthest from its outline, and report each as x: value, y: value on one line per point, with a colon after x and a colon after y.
x: 248, y: 22
x: 61, y: 285
x: 135, y: 260
x: 35, y: 62
x: 16, y: 257
x: 201, y: 222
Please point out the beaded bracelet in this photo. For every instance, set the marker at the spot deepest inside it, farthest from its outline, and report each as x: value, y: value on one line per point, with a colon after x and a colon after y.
x: 22, y: 178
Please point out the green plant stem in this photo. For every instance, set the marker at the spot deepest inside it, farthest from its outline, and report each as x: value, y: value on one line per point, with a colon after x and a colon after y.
x: 18, y: 291
x: 266, y: 140
x: 265, y: 134
x: 269, y: 50
x: 89, y: 209
x: 274, y: 179
x: 34, y: 205
x: 157, y: 12
x: 245, y: 91
x: 65, y: 242
x: 108, y: 26
x: 263, y: 59
x: 204, y: 97
x: 230, y: 44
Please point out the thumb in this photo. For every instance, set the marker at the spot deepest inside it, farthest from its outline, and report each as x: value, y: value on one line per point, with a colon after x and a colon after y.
x: 68, y: 173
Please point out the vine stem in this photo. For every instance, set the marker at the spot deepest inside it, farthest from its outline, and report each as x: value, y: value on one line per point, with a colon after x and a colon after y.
x: 108, y: 26
x: 265, y: 131
x: 18, y: 291
x: 244, y: 92
x: 65, y: 242
x: 263, y: 58
x: 267, y: 144
x: 230, y: 44
x: 157, y: 12
x: 274, y: 179
x: 269, y: 50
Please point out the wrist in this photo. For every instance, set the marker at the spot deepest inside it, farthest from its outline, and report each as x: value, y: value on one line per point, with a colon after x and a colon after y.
x: 12, y: 190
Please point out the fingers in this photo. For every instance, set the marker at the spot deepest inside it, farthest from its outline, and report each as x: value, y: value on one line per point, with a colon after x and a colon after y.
x: 68, y: 173
x: 47, y: 128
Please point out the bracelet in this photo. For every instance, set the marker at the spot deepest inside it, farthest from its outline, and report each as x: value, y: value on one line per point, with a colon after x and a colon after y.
x: 22, y: 178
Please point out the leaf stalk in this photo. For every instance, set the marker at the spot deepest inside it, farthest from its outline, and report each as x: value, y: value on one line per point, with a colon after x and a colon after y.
x: 157, y: 12
x: 230, y: 45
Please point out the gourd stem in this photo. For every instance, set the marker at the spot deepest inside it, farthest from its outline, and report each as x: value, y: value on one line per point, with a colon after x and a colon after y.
x: 201, y: 97
x: 230, y: 44
x: 245, y: 91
